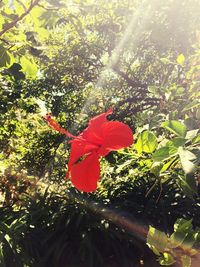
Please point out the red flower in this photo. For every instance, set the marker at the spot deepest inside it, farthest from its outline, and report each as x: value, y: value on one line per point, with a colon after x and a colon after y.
x: 98, y: 139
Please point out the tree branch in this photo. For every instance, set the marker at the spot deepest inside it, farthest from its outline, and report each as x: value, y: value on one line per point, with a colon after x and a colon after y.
x: 130, y: 82
x: 49, y: 8
x: 15, y: 21
x: 135, y: 100
x: 3, y: 40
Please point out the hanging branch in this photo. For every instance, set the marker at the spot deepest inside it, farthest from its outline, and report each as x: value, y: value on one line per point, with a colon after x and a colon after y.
x: 130, y: 82
x: 15, y: 21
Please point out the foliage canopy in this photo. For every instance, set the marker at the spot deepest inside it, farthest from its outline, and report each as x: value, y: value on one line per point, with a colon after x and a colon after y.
x: 77, y: 59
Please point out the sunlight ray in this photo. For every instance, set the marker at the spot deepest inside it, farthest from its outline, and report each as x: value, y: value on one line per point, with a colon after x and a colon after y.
x: 140, y: 19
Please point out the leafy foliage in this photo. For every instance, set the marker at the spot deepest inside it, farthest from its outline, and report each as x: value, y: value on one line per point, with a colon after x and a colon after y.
x: 180, y: 246
x: 76, y: 59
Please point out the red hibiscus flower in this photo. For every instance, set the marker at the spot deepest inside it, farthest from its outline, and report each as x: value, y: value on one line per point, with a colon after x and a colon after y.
x: 98, y: 139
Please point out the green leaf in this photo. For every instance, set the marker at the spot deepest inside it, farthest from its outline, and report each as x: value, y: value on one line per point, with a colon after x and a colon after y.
x: 6, y: 59
x: 166, y: 259
x: 169, y: 150
x: 192, y: 134
x: 164, y: 153
x: 183, y: 234
x: 18, y: 8
x: 167, y: 165
x: 183, y: 225
x: 156, y: 168
x: 176, y: 142
x: 180, y: 59
x: 181, y: 229
x: 147, y: 142
x: 157, y: 239
x: 176, y: 239
x: 2, y: 21
x: 186, y: 261
x: 196, y: 140
x: 29, y: 67
x: 175, y: 127
x: 15, y: 71
x: 187, y: 159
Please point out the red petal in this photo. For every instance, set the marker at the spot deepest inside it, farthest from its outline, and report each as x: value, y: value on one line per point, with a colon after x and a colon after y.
x: 93, y: 133
x: 116, y: 135
x: 85, y: 174
x: 79, y: 147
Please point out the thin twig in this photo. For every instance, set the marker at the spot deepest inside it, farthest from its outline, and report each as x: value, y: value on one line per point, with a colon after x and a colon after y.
x: 15, y: 21
x: 151, y: 188
x: 4, y: 41
x: 49, y: 8
x: 160, y: 193
x: 22, y: 4
x: 8, y: 43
